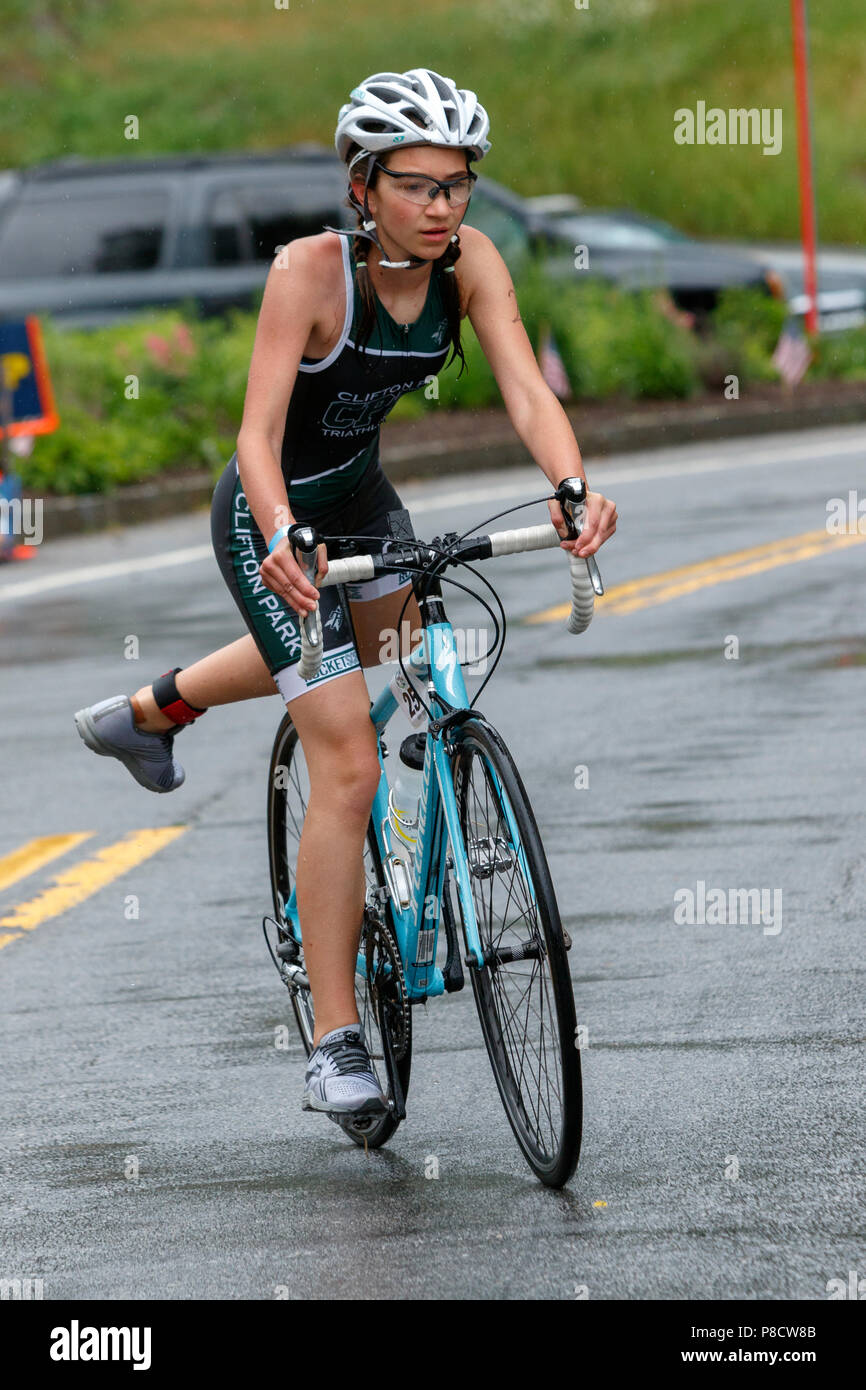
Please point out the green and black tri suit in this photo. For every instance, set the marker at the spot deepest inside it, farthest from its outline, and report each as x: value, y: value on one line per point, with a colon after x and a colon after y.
x: 334, y: 479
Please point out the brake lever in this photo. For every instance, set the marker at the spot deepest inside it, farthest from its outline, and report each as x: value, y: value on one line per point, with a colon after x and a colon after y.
x: 571, y: 495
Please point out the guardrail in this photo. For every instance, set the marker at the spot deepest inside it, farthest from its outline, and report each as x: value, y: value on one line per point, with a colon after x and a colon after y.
x: 837, y: 309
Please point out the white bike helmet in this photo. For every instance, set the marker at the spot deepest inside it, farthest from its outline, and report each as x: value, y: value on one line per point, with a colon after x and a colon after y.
x: 417, y: 107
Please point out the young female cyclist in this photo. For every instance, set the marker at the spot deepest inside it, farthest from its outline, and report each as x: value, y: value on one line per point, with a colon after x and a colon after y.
x: 307, y: 451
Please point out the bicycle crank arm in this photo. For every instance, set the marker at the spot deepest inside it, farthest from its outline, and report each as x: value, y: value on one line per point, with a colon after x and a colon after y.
x: 398, y: 1109
x: 452, y: 970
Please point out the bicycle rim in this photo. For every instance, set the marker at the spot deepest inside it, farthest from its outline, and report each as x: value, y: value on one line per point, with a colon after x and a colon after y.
x: 525, y: 1004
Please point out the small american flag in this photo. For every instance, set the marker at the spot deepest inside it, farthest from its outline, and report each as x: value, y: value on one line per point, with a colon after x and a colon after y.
x: 551, y: 365
x: 792, y: 355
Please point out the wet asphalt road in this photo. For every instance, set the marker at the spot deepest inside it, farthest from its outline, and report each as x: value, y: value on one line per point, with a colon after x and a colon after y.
x: 722, y: 1154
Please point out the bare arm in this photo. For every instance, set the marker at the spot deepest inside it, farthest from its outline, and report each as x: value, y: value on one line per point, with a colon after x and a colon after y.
x: 533, y: 409
x: 288, y: 313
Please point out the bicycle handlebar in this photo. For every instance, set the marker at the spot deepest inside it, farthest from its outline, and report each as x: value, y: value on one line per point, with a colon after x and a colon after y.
x: 585, y: 576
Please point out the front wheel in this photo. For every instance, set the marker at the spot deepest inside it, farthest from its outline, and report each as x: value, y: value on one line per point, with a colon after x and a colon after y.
x: 523, y: 992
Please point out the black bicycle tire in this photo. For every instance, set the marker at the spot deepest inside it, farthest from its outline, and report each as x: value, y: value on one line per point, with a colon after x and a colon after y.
x: 285, y: 740
x: 476, y: 732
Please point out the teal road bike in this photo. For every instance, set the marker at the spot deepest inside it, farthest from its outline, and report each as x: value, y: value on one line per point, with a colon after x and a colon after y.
x: 475, y: 897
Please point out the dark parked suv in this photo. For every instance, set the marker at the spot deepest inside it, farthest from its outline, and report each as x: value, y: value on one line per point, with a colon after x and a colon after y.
x: 91, y: 242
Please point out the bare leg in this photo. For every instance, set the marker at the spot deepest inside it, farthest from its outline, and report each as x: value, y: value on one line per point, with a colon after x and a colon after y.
x: 371, y: 617
x: 235, y: 672
x: 339, y: 744
x: 238, y: 671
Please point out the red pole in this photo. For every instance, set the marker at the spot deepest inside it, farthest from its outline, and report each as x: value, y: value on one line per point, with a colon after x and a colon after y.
x: 804, y: 149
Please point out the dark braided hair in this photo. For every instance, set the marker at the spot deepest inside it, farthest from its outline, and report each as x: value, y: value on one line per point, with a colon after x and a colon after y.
x: 447, y: 278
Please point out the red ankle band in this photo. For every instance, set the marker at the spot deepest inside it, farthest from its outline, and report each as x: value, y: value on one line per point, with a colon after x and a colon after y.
x: 171, y: 702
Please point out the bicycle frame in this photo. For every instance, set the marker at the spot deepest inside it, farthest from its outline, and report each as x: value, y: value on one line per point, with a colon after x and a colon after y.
x: 415, y: 925
x: 417, y: 930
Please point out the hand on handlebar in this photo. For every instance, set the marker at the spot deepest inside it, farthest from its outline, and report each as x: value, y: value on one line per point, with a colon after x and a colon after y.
x: 284, y: 576
x: 599, y: 524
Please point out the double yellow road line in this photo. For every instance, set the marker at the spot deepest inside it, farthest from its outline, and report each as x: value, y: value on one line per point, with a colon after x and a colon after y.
x: 76, y: 883
x: 686, y: 579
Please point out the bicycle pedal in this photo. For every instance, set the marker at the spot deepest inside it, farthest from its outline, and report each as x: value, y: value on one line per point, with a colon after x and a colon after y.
x: 488, y: 856
x: 360, y: 1122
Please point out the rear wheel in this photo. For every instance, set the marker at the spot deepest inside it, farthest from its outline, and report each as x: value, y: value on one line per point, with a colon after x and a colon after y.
x: 380, y: 992
x: 523, y: 992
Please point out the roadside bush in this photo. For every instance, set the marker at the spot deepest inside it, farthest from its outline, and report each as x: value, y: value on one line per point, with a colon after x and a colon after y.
x: 183, y: 412
x: 840, y: 356
x: 611, y: 344
x: 621, y: 344
x: 745, y: 329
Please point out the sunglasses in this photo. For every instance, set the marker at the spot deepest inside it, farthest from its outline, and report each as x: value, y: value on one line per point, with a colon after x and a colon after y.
x: 420, y: 188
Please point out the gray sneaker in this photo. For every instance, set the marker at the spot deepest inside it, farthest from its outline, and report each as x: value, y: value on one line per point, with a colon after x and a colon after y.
x: 109, y: 728
x: 340, y: 1078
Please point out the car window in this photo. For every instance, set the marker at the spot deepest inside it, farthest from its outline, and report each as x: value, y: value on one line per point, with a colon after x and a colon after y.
x: 604, y: 234
x: 84, y: 233
x: 275, y: 215
x: 227, y: 229
x: 506, y: 231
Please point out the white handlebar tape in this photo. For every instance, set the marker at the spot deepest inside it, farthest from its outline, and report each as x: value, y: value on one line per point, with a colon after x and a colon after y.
x: 310, y: 624
x: 526, y: 538
x: 349, y: 571
x: 311, y: 644
x: 356, y: 568
x: 539, y: 538
x: 582, y: 595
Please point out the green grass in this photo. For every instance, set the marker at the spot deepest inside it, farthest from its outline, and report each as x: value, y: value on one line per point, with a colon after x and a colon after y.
x: 580, y: 100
